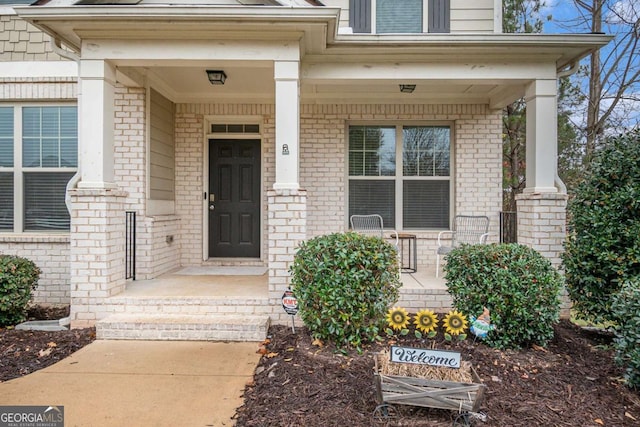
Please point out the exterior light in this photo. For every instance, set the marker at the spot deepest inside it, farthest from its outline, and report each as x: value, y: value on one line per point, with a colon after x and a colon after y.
x: 407, y: 88
x: 216, y: 77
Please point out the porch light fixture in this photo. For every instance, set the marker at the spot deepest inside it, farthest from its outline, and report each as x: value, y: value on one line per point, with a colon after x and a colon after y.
x: 216, y: 77
x: 407, y: 88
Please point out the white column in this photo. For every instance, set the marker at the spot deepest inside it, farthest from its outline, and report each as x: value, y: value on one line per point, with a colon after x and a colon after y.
x: 95, y: 124
x: 287, y: 77
x: 542, y: 136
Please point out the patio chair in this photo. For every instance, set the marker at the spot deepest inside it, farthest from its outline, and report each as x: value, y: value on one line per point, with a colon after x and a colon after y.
x: 467, y: 230
x: 370, y: 225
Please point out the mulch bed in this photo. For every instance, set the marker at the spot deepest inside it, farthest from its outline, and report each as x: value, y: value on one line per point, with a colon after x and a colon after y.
x: 572, y: 382
x: 24, y: 352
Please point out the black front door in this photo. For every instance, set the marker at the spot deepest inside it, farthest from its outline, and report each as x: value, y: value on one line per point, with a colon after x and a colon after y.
x: 234, y: 198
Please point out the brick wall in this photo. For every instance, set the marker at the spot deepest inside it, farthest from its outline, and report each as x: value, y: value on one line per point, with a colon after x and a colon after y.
x: 478, y: 153
x: 51, y: 255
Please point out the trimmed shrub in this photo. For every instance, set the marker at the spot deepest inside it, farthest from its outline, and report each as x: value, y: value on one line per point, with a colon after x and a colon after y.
x: 519, y: 286
x: 18, y: 279
x: 345, y: 282
x: 625, y: 309
x: 603, y: 248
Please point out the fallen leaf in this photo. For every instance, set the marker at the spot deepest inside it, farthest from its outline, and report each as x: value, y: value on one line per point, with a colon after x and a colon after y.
x: 262, y: 350
x: 271, y: 355
x: 288, y: 360
x: 538, y: 348
x: 598, y: 421
x: 628, y: 415
x: 290, y: 349
x: 52, y: 344
x: 267, y: 341
x: 43, y: 353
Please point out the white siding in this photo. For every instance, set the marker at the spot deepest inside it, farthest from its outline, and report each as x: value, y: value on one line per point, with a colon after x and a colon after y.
x: 475, y: 16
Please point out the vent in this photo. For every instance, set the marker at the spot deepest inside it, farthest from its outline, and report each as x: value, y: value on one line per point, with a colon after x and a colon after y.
x: 235, y: 128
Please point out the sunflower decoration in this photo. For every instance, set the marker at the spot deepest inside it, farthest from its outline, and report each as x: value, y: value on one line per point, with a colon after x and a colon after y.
x: 398, y: 318
x: 426, y: 321
x: 455, y: 323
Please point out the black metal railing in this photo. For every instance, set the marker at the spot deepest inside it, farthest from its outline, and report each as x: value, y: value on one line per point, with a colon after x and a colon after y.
x: 508, y: 227
x: 130, y: 246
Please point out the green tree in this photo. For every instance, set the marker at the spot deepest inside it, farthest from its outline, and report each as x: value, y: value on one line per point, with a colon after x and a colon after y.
x: 603, y: 246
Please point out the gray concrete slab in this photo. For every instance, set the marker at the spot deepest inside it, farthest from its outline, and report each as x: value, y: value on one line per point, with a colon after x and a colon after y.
x: 142, y: 383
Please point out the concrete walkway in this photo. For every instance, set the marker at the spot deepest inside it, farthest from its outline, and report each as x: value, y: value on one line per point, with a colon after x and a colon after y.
x: 142, y: 383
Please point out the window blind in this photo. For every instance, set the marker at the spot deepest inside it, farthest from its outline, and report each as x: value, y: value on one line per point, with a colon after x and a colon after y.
x: 373, y: 197
x: 425, y: 204
x: 6, y: 201
x: 6, y: 136
x: 393, y: 16
x: 44, y: 207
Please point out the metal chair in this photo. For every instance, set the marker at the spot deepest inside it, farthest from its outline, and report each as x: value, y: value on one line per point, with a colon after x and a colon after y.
x: 370, y: 225
x: 467, y: 230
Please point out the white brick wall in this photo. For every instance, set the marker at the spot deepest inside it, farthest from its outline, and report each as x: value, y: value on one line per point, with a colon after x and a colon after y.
x: 97, y: 252
x: 51, y: 255
x: 323, y: 146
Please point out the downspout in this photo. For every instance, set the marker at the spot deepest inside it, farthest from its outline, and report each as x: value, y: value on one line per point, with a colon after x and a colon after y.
x: 573, y: 67
x: 56, y: 46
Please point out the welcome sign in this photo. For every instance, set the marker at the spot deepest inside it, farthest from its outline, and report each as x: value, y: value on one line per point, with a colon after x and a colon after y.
x: 420, y: 356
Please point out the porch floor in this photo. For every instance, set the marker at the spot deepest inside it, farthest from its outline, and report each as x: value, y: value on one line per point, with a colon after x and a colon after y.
x: 202, y: 282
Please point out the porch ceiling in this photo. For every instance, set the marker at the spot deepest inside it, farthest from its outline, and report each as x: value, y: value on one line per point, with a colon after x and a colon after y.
x: 171, y: 47
x: 256, y: 84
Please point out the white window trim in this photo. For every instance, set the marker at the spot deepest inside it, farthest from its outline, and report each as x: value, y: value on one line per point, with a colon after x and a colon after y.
x: 425, y: 16
x: 399, y: 177
x: 18, y: 170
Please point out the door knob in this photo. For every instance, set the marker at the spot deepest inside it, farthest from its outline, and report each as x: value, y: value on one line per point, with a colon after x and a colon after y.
x: 211, y: 207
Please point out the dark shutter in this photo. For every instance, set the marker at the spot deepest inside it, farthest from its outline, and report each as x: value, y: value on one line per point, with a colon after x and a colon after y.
x: 439, y: 16
x: 360, y: 16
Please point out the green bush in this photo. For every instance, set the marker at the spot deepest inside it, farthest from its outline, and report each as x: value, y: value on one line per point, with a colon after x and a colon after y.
x: 603, y: 247
x: 625, y: 309
x: 519, y: 286
x: 345, y: 284
x: 18, y: 278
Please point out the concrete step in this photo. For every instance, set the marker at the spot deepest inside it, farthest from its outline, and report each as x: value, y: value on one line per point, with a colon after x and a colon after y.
x: 182, y: 327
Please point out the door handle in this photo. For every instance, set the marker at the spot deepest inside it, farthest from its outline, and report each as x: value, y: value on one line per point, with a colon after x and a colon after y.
x: 211, y: 207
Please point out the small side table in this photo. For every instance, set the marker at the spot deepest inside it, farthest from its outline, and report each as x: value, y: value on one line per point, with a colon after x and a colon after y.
x: 407, y: 250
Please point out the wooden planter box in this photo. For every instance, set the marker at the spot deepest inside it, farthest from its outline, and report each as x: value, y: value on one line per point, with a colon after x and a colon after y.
x: 455, y: 396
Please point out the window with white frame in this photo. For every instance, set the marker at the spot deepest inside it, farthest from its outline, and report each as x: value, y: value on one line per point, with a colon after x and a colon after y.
x: 38, y: 157
x: 401, y: 172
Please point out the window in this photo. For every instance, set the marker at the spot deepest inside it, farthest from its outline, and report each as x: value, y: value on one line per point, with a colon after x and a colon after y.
x: 402, y: 173
x: 38, y: 157
x: 394, y: 17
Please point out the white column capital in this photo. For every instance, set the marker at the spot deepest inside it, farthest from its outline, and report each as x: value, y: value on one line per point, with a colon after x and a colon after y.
x: 542, y: 87
x: 286, y: 70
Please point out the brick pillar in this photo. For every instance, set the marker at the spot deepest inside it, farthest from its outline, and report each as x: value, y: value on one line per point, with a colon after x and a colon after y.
x: 97, y: 240
x: 542, y: 226
x: 287, y: 225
